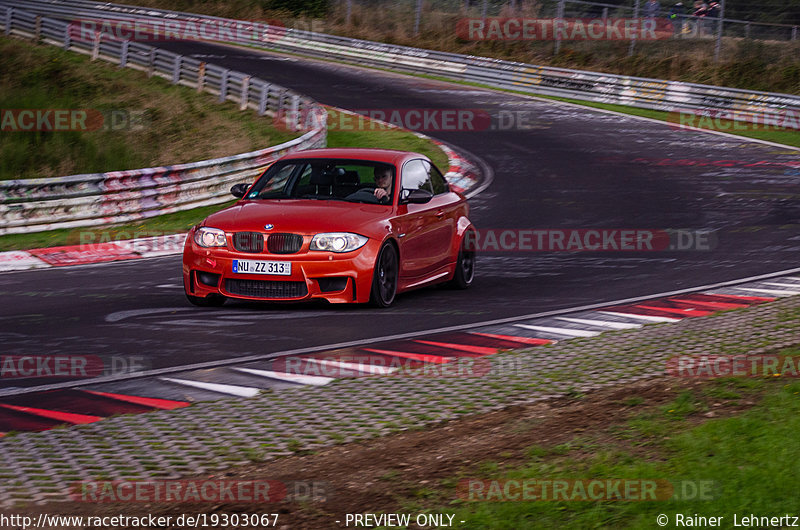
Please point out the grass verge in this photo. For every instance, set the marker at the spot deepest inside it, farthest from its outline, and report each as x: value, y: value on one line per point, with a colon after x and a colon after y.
x: 131, y: 121
x: 742, y: 464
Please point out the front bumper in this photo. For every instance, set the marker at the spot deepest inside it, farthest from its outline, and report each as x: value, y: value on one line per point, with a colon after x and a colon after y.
x: 337, y: 278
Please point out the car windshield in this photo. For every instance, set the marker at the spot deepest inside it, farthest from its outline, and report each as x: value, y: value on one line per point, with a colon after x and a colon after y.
x: 326, y: 179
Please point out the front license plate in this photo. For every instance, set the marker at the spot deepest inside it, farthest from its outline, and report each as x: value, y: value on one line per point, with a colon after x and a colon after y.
x: 249, y: 266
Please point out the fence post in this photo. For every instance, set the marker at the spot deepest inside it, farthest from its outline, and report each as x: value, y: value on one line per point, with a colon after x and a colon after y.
x: 67, y: 37
x: 348, y: 11
x: 633, y: 39
x: 223, y: 86
x: 96, y: 48
x: 201, y: 77
x: 263, y: 99
x: 245, y: 93
x: 37, y: 32
x: 123, y: 56
x: 720, y: 26
x: 294, y: 112
x: 151, y: 62
x: 176, y: 69
x: 559, y: 15
x: 417, y: 17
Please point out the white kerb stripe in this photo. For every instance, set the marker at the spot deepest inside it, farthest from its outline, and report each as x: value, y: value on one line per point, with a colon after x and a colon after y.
x: 561, y: 331
x: 233, y: 390
x: 789, y: 285
x: 357, y: 367
x: 648, y: 318
x: 774, y: 292
x: 313, y: 380
x: 601, y: 323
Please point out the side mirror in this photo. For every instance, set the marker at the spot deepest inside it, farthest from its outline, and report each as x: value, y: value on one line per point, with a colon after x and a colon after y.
x: 416, y: 196
x: 238, y: 190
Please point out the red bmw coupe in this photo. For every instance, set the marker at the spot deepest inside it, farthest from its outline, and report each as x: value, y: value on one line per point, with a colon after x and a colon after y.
x: 344, y: 225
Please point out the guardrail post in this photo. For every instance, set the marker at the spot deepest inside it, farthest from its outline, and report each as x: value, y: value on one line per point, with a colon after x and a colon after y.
x: 9, y: 16
x: 96, y: 48
x: 605, y: 13
x: 747, y: 31
x: 123, y: 56
x: 176, y: 69
x: 348, y: 11
x: 201, y: 77
x: 223, y: 86
x: 794, y: 33
x: 245, y: 93
x: 263, y: 98
x: 151, y: 62
x: 67, y: 37
x: 37, y: 31
x: 294, y: 112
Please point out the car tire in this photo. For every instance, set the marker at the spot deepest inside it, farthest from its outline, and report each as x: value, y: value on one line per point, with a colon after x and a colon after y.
x: 384, y: 278
x: 212, y: 300
x: 465, y: 266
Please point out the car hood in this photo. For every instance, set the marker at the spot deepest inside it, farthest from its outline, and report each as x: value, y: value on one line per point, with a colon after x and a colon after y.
x: 299, y: 216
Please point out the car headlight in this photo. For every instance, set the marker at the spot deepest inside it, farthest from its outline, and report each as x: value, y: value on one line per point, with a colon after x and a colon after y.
x: 210, y: 237
x: 337, y: 242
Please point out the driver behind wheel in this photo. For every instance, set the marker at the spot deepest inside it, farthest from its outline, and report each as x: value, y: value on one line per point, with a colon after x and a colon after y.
x: 383, y: 184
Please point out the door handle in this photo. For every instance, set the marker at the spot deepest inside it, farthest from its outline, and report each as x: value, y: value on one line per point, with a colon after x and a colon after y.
x: 440, y: 213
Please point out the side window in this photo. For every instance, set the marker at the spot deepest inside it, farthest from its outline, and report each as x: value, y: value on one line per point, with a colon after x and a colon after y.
x: 437, y: 180
x: 415, y: 176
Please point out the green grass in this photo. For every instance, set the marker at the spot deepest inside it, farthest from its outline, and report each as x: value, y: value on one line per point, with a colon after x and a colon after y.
x: 46, y: 77
x: 747, y: 463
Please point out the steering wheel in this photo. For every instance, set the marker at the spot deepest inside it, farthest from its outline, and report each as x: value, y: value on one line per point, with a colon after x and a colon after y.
x: 367, y: 195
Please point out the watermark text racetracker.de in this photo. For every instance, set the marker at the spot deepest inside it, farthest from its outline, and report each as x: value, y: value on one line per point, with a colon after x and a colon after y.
x: 548, y: 29
x: 734, y: 120
x: 430, y: 367
x: 142, y: 29
x: 585, y: 489
x: 590, y: 240
x: 711, y: 366
x: 210, y: 490
x: 422, y: 119
x: 72, y: 120
x: 70, y: 366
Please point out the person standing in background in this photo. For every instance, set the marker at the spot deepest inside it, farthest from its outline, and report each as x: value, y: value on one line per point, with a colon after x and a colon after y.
x: 677, y: 16
x: 652, y: 9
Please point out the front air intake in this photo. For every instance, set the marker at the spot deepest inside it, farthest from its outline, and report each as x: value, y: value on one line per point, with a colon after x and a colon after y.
x: 252, y: 242
x: 284, y: 243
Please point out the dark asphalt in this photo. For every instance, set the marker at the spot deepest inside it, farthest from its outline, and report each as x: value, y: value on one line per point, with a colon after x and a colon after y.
x: 571, y: 168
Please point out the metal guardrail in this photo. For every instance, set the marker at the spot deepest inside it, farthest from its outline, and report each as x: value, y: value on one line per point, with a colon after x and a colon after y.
x: 34, y: 205
x: 762, y: 107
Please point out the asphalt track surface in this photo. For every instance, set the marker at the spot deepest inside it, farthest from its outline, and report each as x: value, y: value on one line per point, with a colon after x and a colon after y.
x: 568, y: 168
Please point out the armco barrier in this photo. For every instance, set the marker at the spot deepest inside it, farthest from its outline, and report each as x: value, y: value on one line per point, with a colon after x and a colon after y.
x: 34, y: 205
x: 589, y: 86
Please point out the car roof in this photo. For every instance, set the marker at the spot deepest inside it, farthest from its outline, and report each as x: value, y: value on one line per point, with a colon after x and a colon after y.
x: 389, y: 156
